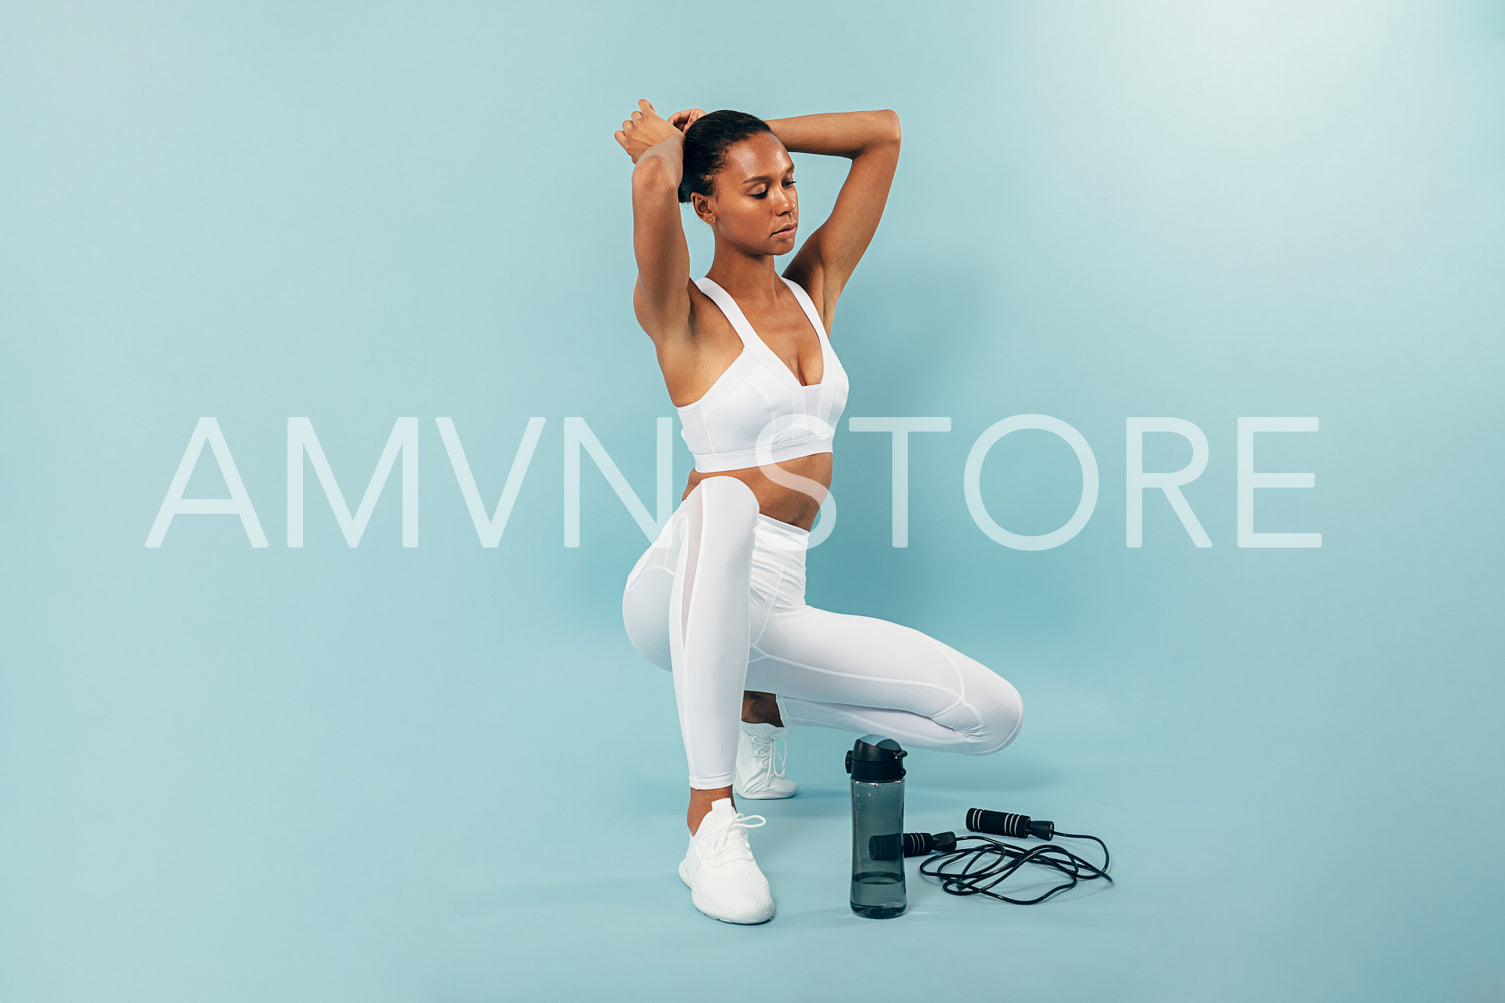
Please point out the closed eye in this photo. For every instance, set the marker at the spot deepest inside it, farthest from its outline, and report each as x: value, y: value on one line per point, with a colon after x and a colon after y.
x: 764, y: 192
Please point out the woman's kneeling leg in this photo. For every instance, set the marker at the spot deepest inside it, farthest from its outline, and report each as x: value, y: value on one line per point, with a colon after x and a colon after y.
x: 863, y: 674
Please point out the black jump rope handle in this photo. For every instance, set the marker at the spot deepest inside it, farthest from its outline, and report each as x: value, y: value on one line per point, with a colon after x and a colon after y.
x: 920, y: 844
x: 891, y: 846
x: 1001, y: 823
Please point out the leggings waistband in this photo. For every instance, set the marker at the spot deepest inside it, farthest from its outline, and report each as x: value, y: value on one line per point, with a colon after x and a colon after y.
x: 781, y: 535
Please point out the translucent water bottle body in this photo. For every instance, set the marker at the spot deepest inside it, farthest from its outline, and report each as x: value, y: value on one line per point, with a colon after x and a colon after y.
x: 877, y: 827
x: 877, y: 863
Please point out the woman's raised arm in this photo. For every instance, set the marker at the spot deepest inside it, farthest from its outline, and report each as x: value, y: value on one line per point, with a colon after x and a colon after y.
x: 871, y: 139
x: 661, y: 297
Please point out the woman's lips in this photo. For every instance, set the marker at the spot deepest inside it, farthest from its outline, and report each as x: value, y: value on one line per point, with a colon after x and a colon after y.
x: 787, y: 231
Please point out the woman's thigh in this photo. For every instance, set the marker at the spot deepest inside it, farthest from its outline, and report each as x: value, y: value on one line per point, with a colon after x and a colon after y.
x: 846, y: 658
x: 645, y: 610
x: 650, y: 584
x: 645, y: 604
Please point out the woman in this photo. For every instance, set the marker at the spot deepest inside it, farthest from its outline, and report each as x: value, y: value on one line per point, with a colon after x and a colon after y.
x: 719, y: 598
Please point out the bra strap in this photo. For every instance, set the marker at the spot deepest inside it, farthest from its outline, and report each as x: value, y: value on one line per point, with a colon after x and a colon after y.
x: 809, y: 306
x: 733, y: 312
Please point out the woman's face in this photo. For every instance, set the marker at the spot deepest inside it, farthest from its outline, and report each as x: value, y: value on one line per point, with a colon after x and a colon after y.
x: 755, y: 198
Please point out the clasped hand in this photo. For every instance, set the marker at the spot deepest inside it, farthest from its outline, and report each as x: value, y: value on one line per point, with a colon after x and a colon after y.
x: 648, y: 128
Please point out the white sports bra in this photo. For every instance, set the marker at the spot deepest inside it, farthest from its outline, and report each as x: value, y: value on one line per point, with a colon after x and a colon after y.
x: 757, y: 411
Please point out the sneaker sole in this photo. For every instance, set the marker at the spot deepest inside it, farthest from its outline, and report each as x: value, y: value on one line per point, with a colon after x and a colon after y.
x: 740, y: 922
x: 764, y: 796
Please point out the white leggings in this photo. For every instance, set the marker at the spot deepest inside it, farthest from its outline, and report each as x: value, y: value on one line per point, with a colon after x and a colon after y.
x: 719, y: 600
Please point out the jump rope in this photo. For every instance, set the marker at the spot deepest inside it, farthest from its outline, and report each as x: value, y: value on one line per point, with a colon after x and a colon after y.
x: 978, y: 867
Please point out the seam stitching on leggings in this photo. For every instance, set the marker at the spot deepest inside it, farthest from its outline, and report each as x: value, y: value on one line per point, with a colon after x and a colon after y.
x: 853, y: 675
x: 961, y: 685
x: 681, y: 614
x: 768, y: 613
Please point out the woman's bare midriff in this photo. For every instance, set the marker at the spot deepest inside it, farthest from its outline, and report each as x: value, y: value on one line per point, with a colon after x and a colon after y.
x: 792, y: 494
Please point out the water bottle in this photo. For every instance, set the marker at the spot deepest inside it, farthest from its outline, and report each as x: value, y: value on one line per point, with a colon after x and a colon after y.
x: 877, y: 827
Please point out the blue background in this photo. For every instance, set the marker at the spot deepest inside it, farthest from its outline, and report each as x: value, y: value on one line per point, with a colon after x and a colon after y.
x: 442, y: 772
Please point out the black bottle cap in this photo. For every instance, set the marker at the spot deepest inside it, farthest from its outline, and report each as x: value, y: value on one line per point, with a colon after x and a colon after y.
x: 875, y: 759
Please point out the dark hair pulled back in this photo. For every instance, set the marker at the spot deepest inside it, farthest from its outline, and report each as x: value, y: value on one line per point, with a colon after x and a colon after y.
x: 706, y: 143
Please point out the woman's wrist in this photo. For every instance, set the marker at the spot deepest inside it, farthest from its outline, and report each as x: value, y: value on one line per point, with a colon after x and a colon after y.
x: 670, y: 150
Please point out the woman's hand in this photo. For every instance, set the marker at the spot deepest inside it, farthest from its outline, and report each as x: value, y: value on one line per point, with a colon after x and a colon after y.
x: 646, y: 128
x: 682, y: 120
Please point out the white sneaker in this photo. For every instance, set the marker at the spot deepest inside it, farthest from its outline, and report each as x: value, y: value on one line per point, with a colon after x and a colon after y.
x: 759, y: 774
x: 725, y: 882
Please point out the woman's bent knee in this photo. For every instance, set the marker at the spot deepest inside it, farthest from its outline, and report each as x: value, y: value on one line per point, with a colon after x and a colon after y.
x: 1001, y: 710
x: 726, y: 508
x: 723, y: 522
x: 731, y: 495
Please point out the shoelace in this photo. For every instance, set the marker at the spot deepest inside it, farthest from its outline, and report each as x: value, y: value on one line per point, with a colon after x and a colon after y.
x: 771, y: 755
x: 717, y: 846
